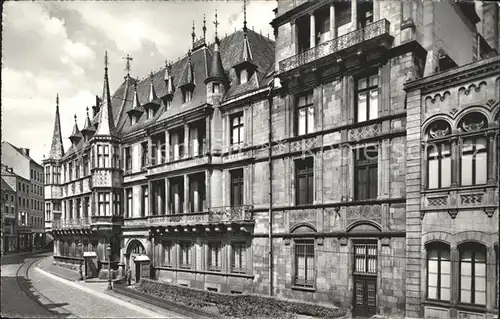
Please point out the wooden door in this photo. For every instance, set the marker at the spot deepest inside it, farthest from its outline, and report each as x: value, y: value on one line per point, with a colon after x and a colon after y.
x: 365, y: 279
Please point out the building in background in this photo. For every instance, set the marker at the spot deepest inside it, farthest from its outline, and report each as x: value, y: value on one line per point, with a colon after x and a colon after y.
x: 293, y: 168
x: 9, y: 214
x: 30, y: 174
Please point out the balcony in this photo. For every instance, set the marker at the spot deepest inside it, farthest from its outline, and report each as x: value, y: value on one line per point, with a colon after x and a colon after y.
x: 73, y: 223
x: 188, y: 159
x: 348, y: 42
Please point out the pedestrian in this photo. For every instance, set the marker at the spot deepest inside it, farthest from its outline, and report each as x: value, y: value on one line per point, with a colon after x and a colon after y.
x: 129, y: 276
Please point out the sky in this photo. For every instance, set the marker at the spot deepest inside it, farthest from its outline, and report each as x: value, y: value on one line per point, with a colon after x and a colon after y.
x: 54, y: 48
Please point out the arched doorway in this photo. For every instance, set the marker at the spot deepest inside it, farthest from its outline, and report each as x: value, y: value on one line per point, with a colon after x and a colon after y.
x: 134, y: 249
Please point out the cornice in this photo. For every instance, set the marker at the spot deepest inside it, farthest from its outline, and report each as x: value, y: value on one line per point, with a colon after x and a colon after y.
x: 456, y: 76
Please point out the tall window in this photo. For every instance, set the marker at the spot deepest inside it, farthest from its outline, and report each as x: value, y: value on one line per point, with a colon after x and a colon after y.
x: 304, y: 263
x: 304, y: 181
x: 216, y: 88
x: 214, y: 256
x: 116, y: 203
x: 100, y: 156
x: 105, y: 150
x: 103, y: 202
x: 185, y: 254
x: 367, y: 98
x: 187, y: 95
x: 89, y: 206
x: 85, y: 165
x: 474, y: 161
x: 145, y: 201
x: 144, y: 155
x: 438, y: 271
x: 77, y: 169
x: 128, y: 159
x: 168, y: 246
x: 472, y: 273
x: 47, y: 211
x: 305, y: 114
x: 70, y: 171
x: 366, y: 170
x: 365, y: 258
x: 47, y: 174
x: 439, y: 165
x: 238, y: 258
x: 237, y: 187
x: 237, y: 129
x: 128, y: 192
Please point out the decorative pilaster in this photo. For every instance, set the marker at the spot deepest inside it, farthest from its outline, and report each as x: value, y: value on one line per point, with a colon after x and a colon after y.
x: 186, y: 141
x: 186, y: 194
x: 313, y: 30
x: 492, y: 160
x: 207, y: 190
x: 333, y: 29
x: 455, y: 157
x: 167, y: 197
x: 455, y: 273
x: 354, y: 15
x: 167, y: 146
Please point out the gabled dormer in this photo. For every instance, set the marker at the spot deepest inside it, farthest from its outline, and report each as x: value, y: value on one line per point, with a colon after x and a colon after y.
x: 169, y: 83
x: 153, y: 103
x: 136, y: 111
x: 187, y: 83
x: 75, y: 136
x: 245, y: 67
x: 88, y: 129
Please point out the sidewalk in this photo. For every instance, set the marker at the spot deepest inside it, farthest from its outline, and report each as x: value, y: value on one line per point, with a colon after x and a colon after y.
x: 65, y: 273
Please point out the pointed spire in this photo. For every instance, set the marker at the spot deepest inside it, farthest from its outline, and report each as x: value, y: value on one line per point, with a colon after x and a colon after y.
x: 204, y: 29
x: 75, y: 136
x: 216, y: 23
x: 88, y: 123
x: 57, y: 147
x: 106, y: 123
x: 152, y: 93
x: 245, y: 16
x: 135, y: 102
x: 216, y: 70
x: 193, y: 36
x: 127, y: 65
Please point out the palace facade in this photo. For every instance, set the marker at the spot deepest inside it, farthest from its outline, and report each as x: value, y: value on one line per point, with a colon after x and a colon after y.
x: 301, y: 168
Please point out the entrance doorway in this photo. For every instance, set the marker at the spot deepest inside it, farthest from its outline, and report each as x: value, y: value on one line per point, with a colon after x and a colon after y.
x: 135, y: 249
x: 365, y: 279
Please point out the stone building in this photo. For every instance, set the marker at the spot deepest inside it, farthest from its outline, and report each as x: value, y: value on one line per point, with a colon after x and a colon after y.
x: 282, y: 168
x: 9, y: 216
x: 454, y: 204
x: 30, y: 175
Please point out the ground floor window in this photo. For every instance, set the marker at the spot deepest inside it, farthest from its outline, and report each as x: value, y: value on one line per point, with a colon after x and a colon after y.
x: 304, y: 263
x: 238, y: 264
x: 168, y: 247
x: 214, y: 256
x: 185, y: 254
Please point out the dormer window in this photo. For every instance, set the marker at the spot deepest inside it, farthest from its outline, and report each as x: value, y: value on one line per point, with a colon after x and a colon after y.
x: 151, y: 113
x: 216, y: 88
x: 243, y: 76
x: 168, y: 103
x: 187, y: 95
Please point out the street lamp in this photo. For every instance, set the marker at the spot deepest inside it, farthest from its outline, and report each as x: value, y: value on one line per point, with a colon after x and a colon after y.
x: 109, y: 267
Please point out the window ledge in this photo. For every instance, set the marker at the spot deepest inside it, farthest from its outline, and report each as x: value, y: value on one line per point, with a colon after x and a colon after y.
x: 308, y: 289
x: 458, y: 188
x: 206, y: 272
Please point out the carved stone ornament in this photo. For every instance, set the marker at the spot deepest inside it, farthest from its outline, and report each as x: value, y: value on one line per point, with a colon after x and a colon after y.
x: 472, y: 123
x: 286, y: 241
x: 439, y: 129
x: 343, y: 241
x: 453, y: 213
x: 489, y: 211
x: 319, y: 241
x: 385, y: 241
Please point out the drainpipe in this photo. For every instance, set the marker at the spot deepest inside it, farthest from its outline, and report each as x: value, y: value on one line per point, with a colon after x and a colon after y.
x: 270, y: 164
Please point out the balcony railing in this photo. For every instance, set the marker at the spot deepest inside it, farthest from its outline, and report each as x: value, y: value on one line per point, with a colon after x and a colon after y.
x: 371, y: 31
x: 71, y: 223
x: 224, y: 214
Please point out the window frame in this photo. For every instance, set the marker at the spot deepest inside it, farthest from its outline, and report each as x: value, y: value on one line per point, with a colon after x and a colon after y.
x: 218, y: 253
x: 237, y: 180
x: 307, y: 106
x: 144, y: 200
x: 242, y: 246
x: 473, y: 248
x: 308, y: 174
x: 238, y: 128
x: 368, y: 89
x: 307, y: 283
x: 440, y: 157
x: 185, y: 244
x: 440, y: 247
x: 365, y: 164
x: 475, y: 152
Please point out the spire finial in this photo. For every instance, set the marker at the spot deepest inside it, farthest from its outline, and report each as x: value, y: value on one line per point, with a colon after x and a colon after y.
x: 57, y: 100
x: 106, y: 61
x: 87, y: 109
x: 75, y: 118
x: 193, y: 34
x: 151, y: 76
x: 127, y: 64
x: 204, y: 27
x: 245, y: 16
x: 216, y: 23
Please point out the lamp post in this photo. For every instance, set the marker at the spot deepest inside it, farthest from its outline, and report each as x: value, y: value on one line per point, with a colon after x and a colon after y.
x: 109, y: 267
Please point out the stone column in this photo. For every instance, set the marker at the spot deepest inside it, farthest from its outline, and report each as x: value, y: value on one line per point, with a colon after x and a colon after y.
x: 194, y: 141
x: 150, y: 199
x: 333, y: 29
x: 196, y: 198
x: 293, y: 26
x: 167, y: 197
x: 354, y: 15
x: 492, y: 157
x: 455, y: 271
x: 150, y: 150
x: 208, y: 137
x: 455, y: 157
x: 167, y: 146
x: 186, y: 194
x: 313, y: 30
x: 207, y: 190
x: 186, y: 141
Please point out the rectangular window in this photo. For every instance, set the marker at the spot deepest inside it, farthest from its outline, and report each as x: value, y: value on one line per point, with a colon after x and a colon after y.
x: 47, y: 174
x: 238, y: 258
x: 128, y: 192
x: 304, y: 263
x: 216, y: 88
x: 100, y: 156
x: 77, y: 170
x: 128, y: 159
x: 116, y: 203
x: 473, y: 274
x: 366, y: 171
x: 185, y: 254
x: 188, y: 95
x: 214, y: 256
x: 304, y: 181
x: 439, y: 166
x: 365, y: 258
x: 237, y: 129
x: 70, y: 171
x: 144, y: 155
x: 145, y: 201
x: 105, y: 150
x: 168, y: 247
x: 237, y: 187
x: 438, y: 272
x: 305, y: 114
x: 367, y: 98
x: 85, y: 165
x: 474, y: 161
x: 103, y: 202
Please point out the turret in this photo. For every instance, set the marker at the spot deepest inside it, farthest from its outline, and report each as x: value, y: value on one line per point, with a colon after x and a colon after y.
x: 245, y: 67
x: 75, y: 136
x: 216, y: 80
x: 88, y: 129
x: 57, y: 147
x: 136, y: 111
x: 187, y: 82
x: 106, y: 125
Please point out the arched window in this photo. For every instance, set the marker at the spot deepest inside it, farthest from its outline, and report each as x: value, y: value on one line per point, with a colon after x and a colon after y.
x: 472, y: 273
x: 438, y: 271
x: 438, y: 155
x: 474, y: 151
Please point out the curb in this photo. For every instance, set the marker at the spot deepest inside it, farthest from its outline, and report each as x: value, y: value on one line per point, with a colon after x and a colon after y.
x: 165, y: 304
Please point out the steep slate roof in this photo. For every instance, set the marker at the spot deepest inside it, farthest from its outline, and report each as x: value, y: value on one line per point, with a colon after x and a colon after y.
x: 57, y: 147
x: 6, y: 187
x: 231, y: 50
